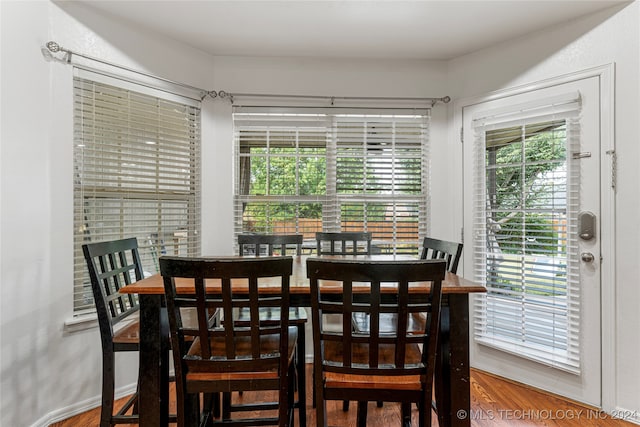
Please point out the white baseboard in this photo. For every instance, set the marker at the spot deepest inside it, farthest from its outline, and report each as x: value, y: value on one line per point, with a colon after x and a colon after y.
x: 626, y: 415
x: 80, y: 407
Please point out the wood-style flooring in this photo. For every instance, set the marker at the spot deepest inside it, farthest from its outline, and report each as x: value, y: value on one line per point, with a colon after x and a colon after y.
x: 495, y: 403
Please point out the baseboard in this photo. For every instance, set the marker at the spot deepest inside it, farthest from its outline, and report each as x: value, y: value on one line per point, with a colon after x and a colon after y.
x: 80, y: 407
x: 626, y: 415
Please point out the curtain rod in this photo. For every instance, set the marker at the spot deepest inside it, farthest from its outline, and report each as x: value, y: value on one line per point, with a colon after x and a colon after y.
x: 53, y: 47
x: 222, y: 94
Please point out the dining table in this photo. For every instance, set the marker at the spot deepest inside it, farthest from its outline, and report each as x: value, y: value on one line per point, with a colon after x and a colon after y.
x: 452, y: 384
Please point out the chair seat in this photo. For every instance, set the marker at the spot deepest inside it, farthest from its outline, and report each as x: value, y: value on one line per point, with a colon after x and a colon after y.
x: 269, y: 344
x: 368, y: 382
x: 296, y: 315
x: 129, y: 334
x: 361, y: 322
x: 333, y: 351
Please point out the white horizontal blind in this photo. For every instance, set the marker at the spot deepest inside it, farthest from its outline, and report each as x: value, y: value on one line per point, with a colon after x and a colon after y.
x: 307, y: 170
x: 136, y: 174
x: 382, y: 178
x: 526, y: 204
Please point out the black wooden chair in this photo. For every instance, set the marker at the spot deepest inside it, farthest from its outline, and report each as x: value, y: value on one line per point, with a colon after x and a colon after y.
x: 343, y: 243
x: 270, y: 245
x: 112, y: 265
x: 375, y: 365
x: 230, y: 356
x: 450, y: 252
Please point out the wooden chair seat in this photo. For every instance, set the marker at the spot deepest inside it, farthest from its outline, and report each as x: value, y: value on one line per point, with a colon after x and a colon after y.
x: 388, y: 322
x: 269, y: 344
x: 128, y: 334
x: 297, y: 316
x: 369, y: 382
x: 360, y: 353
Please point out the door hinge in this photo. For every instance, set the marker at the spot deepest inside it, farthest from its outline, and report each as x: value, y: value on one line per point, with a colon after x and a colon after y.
x: 461, y: 234
x: 462, y: 135
x: 614, y: 167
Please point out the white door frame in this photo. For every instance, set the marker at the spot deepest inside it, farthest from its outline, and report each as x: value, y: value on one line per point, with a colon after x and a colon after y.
x: 605, y: 74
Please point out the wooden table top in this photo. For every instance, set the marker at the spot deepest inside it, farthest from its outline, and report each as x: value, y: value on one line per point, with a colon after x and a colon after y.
x: 153, y: 285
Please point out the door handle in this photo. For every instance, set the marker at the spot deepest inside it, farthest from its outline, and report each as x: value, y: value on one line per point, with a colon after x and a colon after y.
x: 587, y: 257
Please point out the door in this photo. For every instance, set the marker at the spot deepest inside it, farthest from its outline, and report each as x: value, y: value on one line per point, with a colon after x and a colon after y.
x: 531, y: 229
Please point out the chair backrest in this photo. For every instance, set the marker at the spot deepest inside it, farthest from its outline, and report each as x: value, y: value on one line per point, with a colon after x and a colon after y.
x: 240, y: 340
x: 273, y: 244
x: 441, y: 249
x: 113, y: 265
x: 375, y: 352
x: 343, y: 243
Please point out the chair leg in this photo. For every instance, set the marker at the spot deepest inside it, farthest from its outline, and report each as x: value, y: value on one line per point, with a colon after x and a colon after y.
x: 424, y: 412
x: 108, y: 388
x: 301, y: 365
x: 191, y: 410
x: 226, y: 406
x: 321, y: 406
x: 406, y: 414
x: 362, y: 414
x: 211, y: 405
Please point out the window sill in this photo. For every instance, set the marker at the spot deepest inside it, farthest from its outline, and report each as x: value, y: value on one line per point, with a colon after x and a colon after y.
x: 81, y: 323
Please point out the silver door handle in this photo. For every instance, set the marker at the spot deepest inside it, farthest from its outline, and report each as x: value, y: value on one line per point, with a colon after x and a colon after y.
x: 587, y: 257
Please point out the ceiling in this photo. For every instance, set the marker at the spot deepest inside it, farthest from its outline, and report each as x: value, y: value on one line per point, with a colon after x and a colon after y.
x: 426, y: 29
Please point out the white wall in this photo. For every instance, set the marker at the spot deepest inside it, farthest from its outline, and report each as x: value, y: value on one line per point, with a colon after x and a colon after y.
x: 47, y: 372
x: 611, y: 36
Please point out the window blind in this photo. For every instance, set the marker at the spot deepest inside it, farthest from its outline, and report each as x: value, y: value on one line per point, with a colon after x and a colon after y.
x: 136, y: 174
x: 305, y: 170
x: 526, y: 203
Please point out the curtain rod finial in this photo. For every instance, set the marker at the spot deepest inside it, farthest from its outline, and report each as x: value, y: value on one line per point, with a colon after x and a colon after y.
x: 53, y: 47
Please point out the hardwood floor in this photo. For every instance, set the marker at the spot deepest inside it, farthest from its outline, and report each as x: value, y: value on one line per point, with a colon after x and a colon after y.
x: 495, y: 403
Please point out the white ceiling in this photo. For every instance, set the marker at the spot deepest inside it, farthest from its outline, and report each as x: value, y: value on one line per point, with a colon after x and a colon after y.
x: 426, y: 29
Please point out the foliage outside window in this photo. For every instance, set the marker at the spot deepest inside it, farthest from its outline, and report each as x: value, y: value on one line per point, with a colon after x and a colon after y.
x: 304, y: 171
